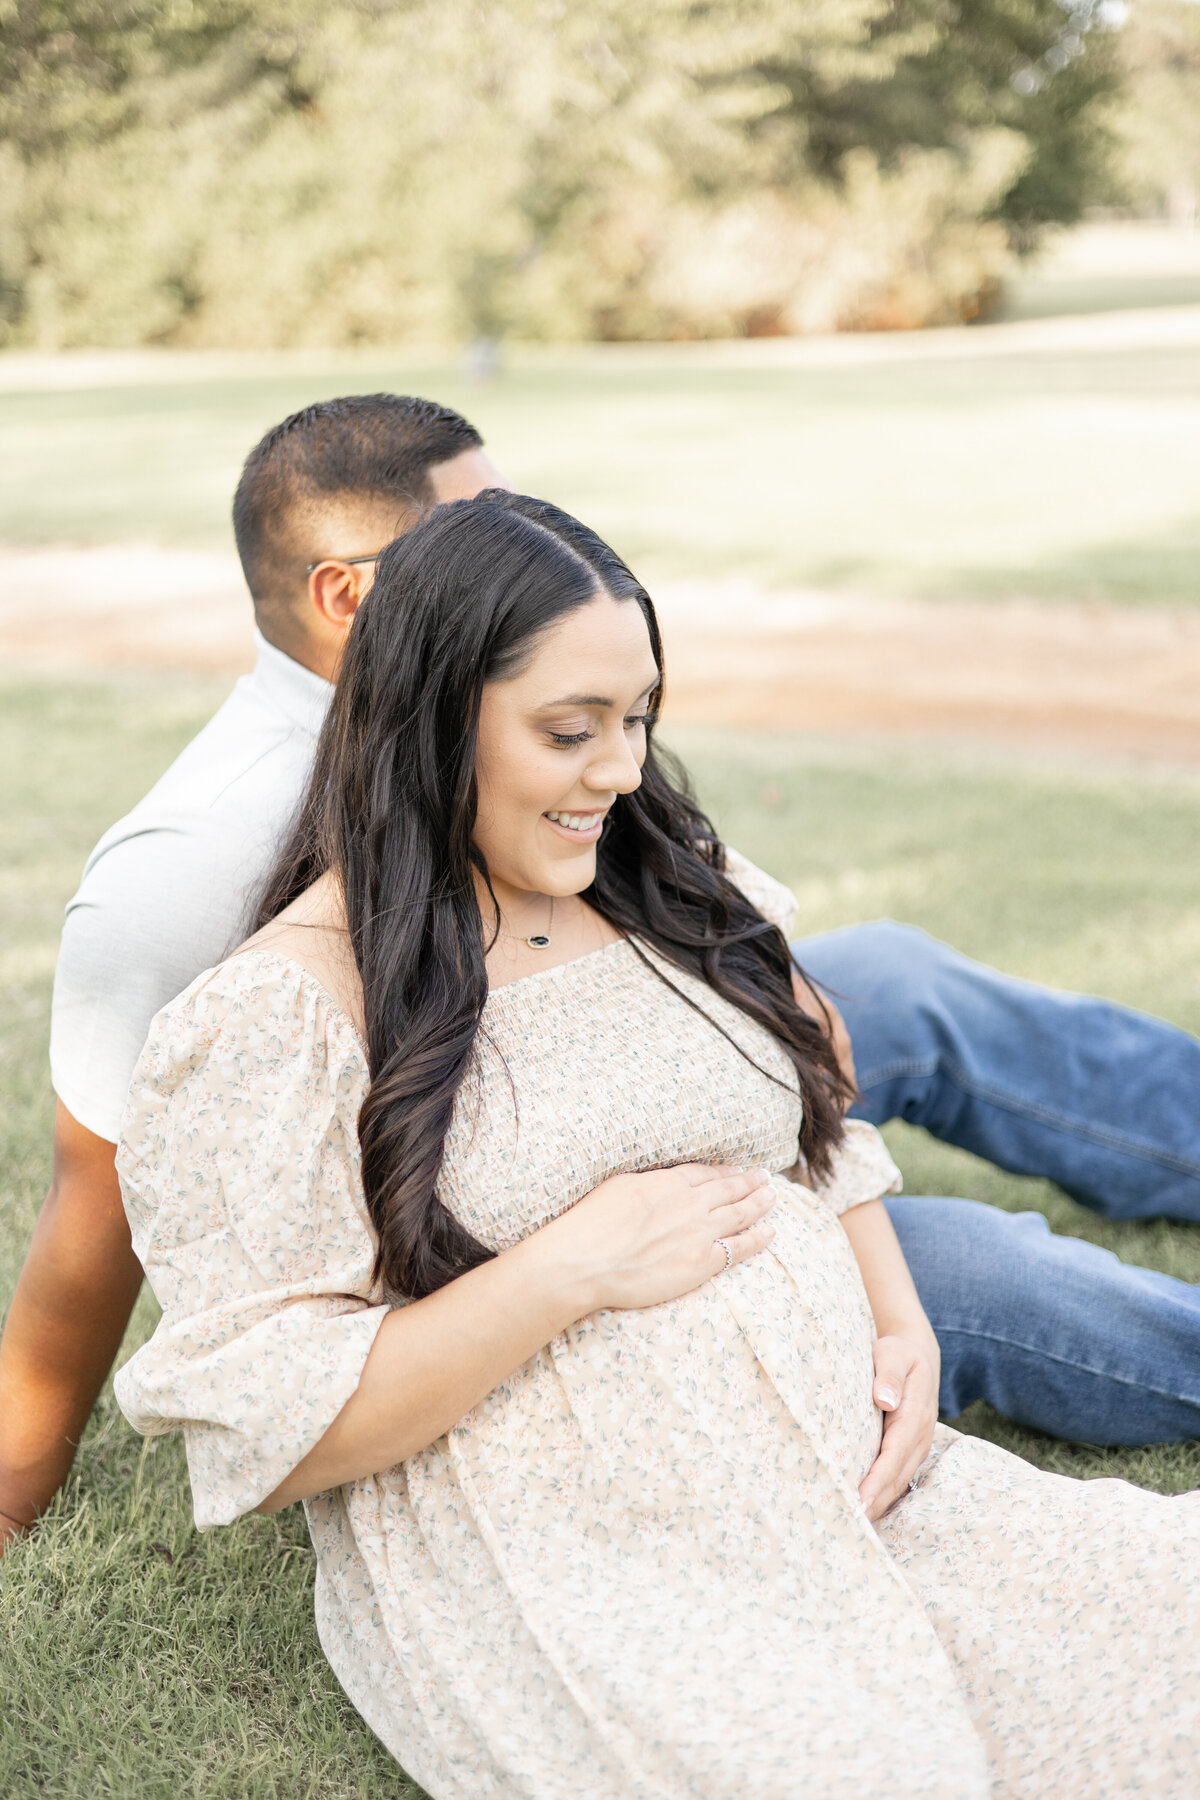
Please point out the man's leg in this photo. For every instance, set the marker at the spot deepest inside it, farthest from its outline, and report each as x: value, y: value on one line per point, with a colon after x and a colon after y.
x: 1099, y: 1099
x: 1052, y: 1332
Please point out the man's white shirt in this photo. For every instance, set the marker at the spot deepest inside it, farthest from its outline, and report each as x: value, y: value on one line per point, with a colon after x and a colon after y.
x: 169, y: 890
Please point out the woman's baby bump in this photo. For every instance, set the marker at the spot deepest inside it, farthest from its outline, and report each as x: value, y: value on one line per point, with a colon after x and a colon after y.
x: 639, y: 1402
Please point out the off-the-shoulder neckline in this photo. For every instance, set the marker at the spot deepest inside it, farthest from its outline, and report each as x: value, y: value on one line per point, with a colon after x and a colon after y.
x: 334, y: 1006
x: 260, y: 953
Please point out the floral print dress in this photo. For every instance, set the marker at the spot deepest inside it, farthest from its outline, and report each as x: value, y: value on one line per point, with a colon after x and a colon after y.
x: 638, y: 1570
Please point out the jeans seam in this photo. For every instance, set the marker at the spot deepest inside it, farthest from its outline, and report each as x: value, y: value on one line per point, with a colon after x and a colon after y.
x: 1110, y: 1140
x: 1066, y: 1362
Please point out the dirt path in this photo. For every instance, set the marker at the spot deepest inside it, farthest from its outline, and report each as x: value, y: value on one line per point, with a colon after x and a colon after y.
x: 1091, y: 679
x: 1103, y: 680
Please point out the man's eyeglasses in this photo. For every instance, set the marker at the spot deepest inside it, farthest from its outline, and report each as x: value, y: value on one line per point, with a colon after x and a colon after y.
x: 374, y: 557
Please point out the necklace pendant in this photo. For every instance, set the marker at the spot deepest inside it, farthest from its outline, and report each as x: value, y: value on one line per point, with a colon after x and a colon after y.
x: 539, y: 941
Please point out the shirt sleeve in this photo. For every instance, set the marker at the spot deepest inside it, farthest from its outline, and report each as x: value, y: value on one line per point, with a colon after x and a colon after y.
x: 774, y: 901
x: 155, y: 907
x: 239, y: 1168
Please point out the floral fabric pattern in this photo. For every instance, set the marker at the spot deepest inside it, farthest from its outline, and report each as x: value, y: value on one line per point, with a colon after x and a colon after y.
x: 640, y: 1567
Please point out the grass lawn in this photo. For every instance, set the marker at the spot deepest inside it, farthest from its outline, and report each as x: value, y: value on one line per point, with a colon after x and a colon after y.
x: 1049, y: 473
x: 141, y: 1661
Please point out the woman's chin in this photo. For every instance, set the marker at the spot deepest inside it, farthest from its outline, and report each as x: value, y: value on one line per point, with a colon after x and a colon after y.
x: 573, y: 877
x: 561, y: 875
x: 570, y: 874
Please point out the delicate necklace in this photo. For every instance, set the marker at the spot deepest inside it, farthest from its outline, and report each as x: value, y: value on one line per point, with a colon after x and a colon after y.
x: 539, y: 940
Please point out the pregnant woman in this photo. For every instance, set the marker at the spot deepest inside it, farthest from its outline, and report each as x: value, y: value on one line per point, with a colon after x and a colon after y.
x: 506, y: 973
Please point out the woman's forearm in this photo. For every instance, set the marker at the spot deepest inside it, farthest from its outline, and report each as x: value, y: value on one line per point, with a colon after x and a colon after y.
x: 895, y: 1303
x: 907, y: 1363
x: 636, y: 1240
x: 431, y: 1362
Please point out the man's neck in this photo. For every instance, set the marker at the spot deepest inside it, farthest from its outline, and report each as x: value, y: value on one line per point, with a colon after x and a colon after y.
x: 319, y: 658
x: 316, y: 657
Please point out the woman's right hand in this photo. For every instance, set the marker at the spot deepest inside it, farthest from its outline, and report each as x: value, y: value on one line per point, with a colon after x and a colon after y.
x: 634, y: 1241
x: 637, y: 1240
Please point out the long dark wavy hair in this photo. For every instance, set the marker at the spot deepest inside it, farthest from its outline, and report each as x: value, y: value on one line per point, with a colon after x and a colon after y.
x: 459, y: 601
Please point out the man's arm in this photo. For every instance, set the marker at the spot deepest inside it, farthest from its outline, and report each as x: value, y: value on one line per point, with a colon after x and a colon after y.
x: 64, y: 1327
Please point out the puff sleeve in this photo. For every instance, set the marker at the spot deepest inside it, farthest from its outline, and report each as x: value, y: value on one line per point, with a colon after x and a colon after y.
x: 862, y: 1167
x: 774, y: 901
x: 239, y: 1168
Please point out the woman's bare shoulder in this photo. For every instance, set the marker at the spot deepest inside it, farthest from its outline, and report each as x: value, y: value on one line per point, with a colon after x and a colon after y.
x: 312, y: 932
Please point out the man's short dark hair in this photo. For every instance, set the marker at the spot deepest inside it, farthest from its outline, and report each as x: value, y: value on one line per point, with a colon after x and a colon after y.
x: 369, y: 447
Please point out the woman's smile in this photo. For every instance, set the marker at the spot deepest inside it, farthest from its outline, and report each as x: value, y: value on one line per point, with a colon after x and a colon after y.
x: 579, y: 827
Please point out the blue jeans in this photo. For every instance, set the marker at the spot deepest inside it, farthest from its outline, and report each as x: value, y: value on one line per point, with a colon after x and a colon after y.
x: 1103, y: 1101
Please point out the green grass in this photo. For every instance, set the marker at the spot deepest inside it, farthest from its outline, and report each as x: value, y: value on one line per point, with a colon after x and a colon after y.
x: 124, y: 1674
x: 1055, y: 474
x: 141, y: 1661
x: 1051, y: 295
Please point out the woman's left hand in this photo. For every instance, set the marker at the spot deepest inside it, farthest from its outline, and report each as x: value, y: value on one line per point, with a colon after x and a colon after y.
x: 906, y: 1392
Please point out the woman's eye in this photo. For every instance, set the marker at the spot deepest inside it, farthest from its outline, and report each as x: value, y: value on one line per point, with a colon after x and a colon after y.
x: 567, y: 740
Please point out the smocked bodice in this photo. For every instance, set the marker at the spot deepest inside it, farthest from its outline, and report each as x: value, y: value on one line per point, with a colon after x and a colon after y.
x: 597, y: 1067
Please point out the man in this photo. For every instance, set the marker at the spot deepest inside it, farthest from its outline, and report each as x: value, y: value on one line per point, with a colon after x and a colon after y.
x: 165, y: 891
x: 1051, y: 1331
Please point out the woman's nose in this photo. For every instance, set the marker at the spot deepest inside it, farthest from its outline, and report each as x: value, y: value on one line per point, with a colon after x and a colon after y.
x: 617, y: 771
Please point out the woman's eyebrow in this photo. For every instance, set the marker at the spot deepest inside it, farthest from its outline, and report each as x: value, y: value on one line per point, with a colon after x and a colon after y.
x: 597, y: 699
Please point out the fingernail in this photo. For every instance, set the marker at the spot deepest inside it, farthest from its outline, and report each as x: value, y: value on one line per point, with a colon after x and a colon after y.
x: 888, y: 1396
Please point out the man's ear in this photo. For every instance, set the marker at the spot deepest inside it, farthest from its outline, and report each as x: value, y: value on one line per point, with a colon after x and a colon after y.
x: 336, y: 589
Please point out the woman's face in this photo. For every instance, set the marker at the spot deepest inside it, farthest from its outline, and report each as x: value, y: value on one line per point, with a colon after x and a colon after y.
x: 558, y: 743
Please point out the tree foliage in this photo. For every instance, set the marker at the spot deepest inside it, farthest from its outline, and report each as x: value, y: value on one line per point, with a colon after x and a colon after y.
x: 1160, y: 117
x: 283, y: 172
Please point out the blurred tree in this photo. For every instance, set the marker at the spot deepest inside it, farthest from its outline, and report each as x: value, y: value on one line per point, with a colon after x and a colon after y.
x: 1160, y: 120
x: 73, y: 70
x: 870, y: 162
x: 282, y: 171
x: 76, y: 75
x: 945, y: 70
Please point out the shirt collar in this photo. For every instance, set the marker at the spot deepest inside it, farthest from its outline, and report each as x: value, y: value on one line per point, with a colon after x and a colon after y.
x: 300, y: 695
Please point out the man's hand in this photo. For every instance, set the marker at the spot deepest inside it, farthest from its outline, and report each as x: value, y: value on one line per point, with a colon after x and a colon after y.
x: 906, y: 1391
x: 68, y: 1315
